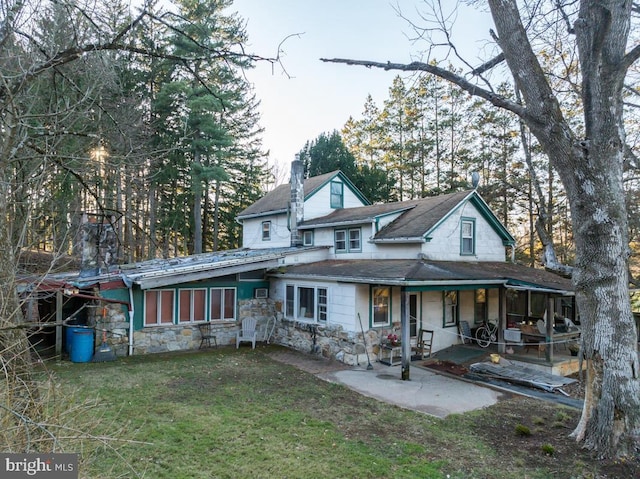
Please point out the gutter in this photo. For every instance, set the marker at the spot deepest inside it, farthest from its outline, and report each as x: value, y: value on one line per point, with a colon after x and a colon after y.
x: 394, y: 282
x: 539, y: 289
x: 263, y: 213
x: 415, y: 239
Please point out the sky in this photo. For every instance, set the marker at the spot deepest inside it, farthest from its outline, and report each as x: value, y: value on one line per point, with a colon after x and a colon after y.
x: 313, y: 97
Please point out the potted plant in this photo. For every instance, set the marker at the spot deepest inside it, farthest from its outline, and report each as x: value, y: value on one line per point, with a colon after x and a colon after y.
x: 574, y: 348
x: 393, y: 339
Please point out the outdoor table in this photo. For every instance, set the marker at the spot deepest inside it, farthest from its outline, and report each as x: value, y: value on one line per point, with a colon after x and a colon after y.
x: 388, y: 354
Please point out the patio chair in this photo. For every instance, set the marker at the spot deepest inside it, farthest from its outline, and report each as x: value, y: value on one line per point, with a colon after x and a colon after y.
x: 247, y: 333
x: 465, y: 332
x: 206, y: 335
x: 424, y: 343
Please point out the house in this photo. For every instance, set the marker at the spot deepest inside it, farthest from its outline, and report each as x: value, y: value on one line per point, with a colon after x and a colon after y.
x: 338, y: 273
x: 437, y: 261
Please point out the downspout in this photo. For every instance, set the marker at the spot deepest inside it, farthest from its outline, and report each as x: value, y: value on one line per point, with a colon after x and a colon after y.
x: 131, y: 315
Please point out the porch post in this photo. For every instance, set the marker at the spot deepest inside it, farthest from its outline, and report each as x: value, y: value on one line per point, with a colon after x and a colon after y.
x: 59, y: 329
x: 502, y: 318
x: 549, y: 339
x: 405, y: 334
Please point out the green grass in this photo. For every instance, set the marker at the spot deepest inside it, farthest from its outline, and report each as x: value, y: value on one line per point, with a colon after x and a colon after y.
x: 230, y: 414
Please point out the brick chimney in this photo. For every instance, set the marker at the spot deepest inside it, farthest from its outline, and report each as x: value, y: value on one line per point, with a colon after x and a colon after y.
x: 297, y: 201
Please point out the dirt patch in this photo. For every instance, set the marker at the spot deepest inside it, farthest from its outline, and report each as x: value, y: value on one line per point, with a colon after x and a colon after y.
x: 446, y: 367
x: 537, y: 433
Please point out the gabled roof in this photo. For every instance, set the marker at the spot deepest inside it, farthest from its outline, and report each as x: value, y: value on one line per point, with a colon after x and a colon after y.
x: 423, y: 217
x: 358, y: 215
x: 277, y: 200
x: 431, y: 274
x: 418, y: 218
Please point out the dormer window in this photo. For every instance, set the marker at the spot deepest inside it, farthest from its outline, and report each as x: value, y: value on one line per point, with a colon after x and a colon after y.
x: 468, y: 236
x: 337, y: 194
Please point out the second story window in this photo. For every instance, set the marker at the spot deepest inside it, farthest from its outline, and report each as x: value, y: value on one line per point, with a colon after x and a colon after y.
x: 341, y: 241
x: 337, y: 197
x: 348, y: 241
x: 354, y: 240
x: 467, y: 237
x: 266, y: 230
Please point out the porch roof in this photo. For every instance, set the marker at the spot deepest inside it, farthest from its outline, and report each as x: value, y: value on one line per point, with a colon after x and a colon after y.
x: 430, y: 274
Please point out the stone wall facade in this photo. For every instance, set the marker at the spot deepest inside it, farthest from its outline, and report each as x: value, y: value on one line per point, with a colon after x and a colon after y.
x: 328, y: 341
x: 183, y: 337
x: 331, y: 342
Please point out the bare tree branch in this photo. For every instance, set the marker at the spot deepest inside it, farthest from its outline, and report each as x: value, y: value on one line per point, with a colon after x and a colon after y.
x: 631, y: 57
x: 495, y: 61
x: 466, y: 85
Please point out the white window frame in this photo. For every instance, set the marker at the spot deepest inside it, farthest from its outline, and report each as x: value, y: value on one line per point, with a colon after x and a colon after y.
x: 159, y: 309
x: 307, y: 238
x: 340, y: 241
x: 469, y: 237
x: 377, y: 305
x: 336, y: 198
x: 223, y: 305
x: 450, y: 309
x: 294, y: 310
x: 266, y: 231
x: 192, y: 311
x: 323, y: 304
x: 352, y: 239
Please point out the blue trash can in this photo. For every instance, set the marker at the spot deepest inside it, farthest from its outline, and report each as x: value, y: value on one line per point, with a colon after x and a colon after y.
x: 81, y: 345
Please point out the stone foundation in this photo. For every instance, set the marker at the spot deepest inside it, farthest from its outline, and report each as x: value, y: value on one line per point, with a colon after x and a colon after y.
x: 112, y: 318
x: 331, y: 342
x: 183, y: 337
x: 328, y: 341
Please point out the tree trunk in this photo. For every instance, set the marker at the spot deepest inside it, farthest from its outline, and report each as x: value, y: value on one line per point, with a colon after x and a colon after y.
x: 591, y: 171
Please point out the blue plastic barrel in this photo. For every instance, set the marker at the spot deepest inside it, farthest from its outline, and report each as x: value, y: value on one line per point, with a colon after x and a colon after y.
x: 68, y: 338
x: 81, y: 345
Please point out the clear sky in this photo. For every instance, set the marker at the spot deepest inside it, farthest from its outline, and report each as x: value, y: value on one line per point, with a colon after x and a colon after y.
x: 319, y: 97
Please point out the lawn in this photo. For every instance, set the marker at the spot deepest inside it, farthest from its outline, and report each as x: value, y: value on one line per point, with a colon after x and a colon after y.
x: 228, y: 413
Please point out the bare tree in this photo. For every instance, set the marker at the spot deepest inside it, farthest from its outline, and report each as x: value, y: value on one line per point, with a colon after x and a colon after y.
x: 589, y: 161
x: 39, y: 41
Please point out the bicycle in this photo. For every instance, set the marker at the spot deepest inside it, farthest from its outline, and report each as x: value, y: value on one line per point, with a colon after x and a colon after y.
x: 487, y: 334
